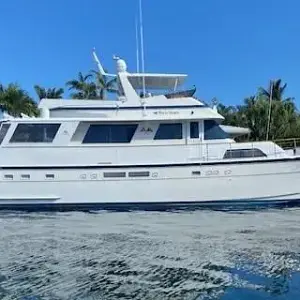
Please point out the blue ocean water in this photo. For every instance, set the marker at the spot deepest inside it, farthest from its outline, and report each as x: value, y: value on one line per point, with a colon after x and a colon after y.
x: 192, y: 255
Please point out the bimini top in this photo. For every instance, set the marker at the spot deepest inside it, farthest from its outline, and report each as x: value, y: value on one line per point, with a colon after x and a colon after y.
x: 156, y: 81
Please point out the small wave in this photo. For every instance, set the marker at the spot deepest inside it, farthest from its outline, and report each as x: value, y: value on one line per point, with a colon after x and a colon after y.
x: 150, y: 255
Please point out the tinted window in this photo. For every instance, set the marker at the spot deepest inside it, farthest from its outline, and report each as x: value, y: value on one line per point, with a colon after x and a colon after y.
x: 171, y: 131
x: 194, y: 130
x: 34, y: 133
x: 212, y: 131
x: 244, y: 153
x: 3, y: 131
x: 114, y: 133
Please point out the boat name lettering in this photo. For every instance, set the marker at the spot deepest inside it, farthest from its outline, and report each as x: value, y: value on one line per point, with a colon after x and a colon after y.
x: 227, y: 172
x: 146, y: 129
x: 170, y: 112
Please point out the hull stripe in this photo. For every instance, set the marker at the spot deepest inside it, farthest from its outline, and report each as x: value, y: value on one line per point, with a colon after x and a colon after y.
x: 150, y: 206
x: 130, y: 107
x: 198, y: 164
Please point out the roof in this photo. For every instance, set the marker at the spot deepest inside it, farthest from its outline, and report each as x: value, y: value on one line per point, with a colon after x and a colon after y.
x: 156, y: 81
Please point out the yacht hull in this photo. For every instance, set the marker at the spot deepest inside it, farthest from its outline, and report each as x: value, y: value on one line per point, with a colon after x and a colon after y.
x: 180, y: 186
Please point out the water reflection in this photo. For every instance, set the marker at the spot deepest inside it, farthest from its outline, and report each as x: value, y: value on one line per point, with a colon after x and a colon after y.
x: 151, y: 255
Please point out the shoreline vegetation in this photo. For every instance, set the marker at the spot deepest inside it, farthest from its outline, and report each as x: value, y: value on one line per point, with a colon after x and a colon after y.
x: 266, y: 105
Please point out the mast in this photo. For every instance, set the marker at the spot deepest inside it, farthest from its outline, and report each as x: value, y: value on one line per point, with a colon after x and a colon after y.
x: 142, y: 45
x: 100, y: 68
x: 270, y: 108
x: 137, y: 46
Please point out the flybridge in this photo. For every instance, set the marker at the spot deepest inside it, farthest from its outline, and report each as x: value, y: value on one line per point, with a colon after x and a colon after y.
x: 137, y: 80
x: 131, y: 101
x: 143, y: 81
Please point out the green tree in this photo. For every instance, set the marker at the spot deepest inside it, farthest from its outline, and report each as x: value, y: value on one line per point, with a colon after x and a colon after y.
x: 283, y: 120
x: 276, y: 90
x: 83, y: 86
x: 103, y: 84
x: 50, y: 93
x: 15, y: 101
x: 254, y: 114
x: 231, y: 114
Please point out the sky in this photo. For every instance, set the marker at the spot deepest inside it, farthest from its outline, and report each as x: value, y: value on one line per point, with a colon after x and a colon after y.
x: 228, y: 48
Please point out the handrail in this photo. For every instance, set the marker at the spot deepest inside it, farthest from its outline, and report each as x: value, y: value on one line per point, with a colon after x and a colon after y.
x: 269, y: 148
x: 287, y: 139
x: 289, y: 142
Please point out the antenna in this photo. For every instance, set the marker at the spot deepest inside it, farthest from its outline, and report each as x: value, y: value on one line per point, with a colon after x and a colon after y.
x: 137, y: 46
x: 142, y: 45
x: 270, y: 109
x: 214, y: 102
x: 98, y: 62
x: 101, y: 70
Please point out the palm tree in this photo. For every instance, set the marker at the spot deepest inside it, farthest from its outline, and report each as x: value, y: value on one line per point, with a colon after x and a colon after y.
x: 85, y: 89
x: 276, y: 90
x: 16, y: 101
x: 283, y: 110
x: 230, y: 113
x: 50, y: 93
x: 254, y: 114
x: 103, y: 84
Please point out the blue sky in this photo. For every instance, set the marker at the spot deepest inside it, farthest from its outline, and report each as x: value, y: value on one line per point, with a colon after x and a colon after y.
x: 227, y: 47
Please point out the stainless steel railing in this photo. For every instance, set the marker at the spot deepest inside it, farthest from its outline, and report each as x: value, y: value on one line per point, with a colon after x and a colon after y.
x: 277, y: 148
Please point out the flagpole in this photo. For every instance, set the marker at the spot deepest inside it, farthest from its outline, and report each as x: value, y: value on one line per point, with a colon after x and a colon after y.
x: 142, y: 45
x: 270, y: 108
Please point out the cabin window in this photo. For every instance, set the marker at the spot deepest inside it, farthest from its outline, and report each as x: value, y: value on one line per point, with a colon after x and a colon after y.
x: 25, y: 176
x: 3, y: 131
x: 34, y: 133
x: 194, y: 130
x: 171, y: 131
x: 212, y: 131
x: 243, y: 153
x: 114, y: 133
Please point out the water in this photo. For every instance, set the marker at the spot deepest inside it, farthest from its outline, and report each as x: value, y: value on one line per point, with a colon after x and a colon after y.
x: 149, y: 255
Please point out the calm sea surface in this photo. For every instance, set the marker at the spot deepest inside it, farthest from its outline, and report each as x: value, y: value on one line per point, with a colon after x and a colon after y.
x: 146, y: 255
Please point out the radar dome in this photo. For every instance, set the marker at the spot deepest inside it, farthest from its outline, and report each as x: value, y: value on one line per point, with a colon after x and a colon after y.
x: 121, y: 66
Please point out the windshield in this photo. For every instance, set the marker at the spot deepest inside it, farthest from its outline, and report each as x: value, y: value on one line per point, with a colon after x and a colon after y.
x: 3, y: 131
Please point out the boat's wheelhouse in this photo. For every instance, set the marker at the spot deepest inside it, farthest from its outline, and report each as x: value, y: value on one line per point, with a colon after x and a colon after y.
x: 57, y: 141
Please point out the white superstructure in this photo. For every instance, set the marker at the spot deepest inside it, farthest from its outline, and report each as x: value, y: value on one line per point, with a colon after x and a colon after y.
x: 146, y: 150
